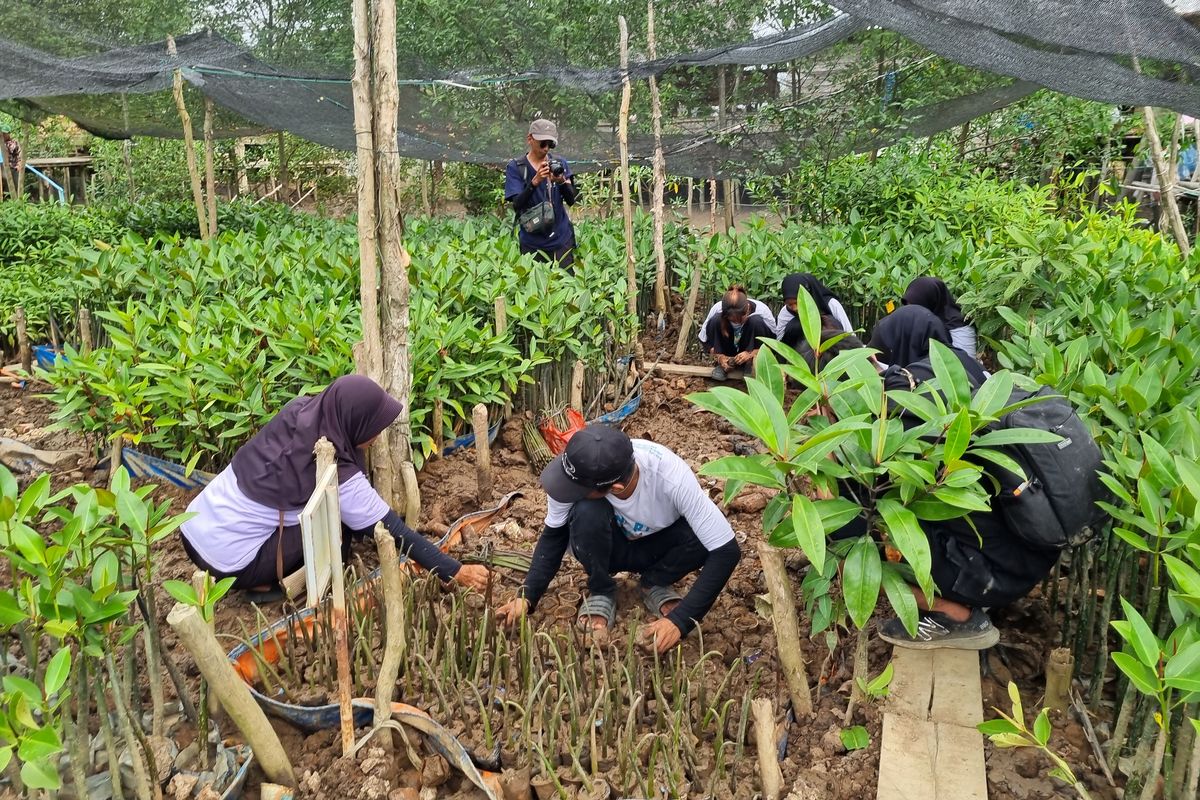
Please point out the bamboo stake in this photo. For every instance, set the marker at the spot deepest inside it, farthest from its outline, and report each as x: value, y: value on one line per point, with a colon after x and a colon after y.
x: 660, y: 181
x: 764, y: 738
x: 1059, y: 667
x: 483, y: 453
x: 210, y: 176
x: 23, y: 349
x: 239, y: 167
x: 712, y: 207
x: 689, y: 313
x: 1166, y: 181
x: 1150, y: 787
x: 412, y: 494
x: 114, y: 457
x: 501, y: 329
x: 85, y: 330
x: 787, y: 629
x: 577, y: 375
x: 234, y: 694
x: 436, y: 426
x: 189, y: 144
x: 394, y: 641
x: 284, y: 177
x: 626, y: 199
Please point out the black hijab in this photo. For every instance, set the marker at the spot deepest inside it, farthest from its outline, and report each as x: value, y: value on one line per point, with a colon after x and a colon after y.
x: 932, y: 294
x: 817, y: 290
x: 902, y: 337
x: 277, y: 467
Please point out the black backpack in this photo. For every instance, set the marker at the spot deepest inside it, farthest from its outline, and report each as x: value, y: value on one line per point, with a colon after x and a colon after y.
x: 1054, y: 505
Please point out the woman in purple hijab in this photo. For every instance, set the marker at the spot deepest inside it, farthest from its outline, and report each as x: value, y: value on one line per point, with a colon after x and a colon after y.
x: 247, y: 519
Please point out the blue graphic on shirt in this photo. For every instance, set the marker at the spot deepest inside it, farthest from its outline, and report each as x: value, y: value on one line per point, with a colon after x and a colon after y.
x: 635, y: 530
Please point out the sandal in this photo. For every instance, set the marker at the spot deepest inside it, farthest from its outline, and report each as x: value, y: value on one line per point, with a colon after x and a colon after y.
x: 597, y: 605
x: 655, y: 597
x: 259, y: 597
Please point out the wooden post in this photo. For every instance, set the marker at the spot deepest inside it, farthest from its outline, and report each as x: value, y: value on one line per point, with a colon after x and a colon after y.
x: 239, y: 167
x: 1059, y: 668
x: 214, y: 703
x: 712, y: 207
x: 85, y: 330
x: 626, y: 198
x: 412, y: 494
x: 25, y: 352
x: 726, y: 184
x: 284, y: 174
x: 691, y: 188
x: 787, y: 629
x: 189, y: 144
x: 768, y: 757
x: 233, y: 693
x: 660, y: 181
x: 483, y: 453
x: 341, y: 639
x: 501, y: 316
x: 395, y: 643
x: 577, y: 375
x: 689, y: 312
x: 210, y: 177
x: 1166, y: 182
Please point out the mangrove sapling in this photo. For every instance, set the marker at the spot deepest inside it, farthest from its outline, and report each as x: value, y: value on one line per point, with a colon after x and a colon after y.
x: 139, y: 756
x: 110, y: 740
x: 75, y: 731
x: 859, y: 675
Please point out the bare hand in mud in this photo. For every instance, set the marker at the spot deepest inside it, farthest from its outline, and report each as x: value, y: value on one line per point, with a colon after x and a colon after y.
x: 662, y: 634
x: 511, y: 612
x: 472, y: 576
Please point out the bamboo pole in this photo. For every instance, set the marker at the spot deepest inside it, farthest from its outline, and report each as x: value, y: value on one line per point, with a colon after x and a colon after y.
x: 626, y: 198
x: 764, y: 739
x: 210, y: 176
x: 85, y: 330
x: 577, y: 376
x: 787, y: 629
x: 239, y: 167
x: 394, y: 641
x: 689, y: 313
x: 712, y: 207
x: 436, y: 431
x: 234, y: 694
x: 1059, y: 667
x: 189, y: 143
x: 483, y: 453
x: 24, y: 351
x: 284, y: 173
x: 660, y: 181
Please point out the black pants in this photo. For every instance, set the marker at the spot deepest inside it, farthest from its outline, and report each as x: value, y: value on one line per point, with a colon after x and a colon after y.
x: 563, y: 256
x: 600, y: 545
x: 263, y: 569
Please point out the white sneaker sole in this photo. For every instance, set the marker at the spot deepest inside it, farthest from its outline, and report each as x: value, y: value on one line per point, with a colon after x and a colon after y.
x: 979, y: 641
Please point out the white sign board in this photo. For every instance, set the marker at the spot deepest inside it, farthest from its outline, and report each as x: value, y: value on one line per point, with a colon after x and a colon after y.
x: 321, y: 530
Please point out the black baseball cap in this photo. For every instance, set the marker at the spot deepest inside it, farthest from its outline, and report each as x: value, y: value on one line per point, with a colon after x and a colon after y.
x: 596, y: 457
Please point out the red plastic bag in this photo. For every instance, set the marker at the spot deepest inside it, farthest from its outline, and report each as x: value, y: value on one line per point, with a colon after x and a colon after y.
x: 557, y: 439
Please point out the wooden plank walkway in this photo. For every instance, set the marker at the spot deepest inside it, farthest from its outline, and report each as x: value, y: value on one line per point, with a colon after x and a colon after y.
x: 931, y: 749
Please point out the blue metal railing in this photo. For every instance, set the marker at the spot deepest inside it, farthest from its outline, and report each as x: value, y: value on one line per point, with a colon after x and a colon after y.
x: 62, y: 194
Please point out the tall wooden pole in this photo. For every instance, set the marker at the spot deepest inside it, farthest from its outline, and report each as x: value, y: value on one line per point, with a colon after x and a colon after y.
x: 189, y: 144
x: 1166, y: 182
x: 210, y: 177
x: 626, y: 198
x: 284, y: 177
x: 660, y: 181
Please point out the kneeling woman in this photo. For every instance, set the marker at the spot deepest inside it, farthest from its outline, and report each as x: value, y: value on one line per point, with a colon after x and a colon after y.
x: 247, y: 519
x: 732, y: 337
x: 833, y: 314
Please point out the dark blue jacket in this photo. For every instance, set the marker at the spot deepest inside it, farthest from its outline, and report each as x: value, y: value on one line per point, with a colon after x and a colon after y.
x: 523, y: 195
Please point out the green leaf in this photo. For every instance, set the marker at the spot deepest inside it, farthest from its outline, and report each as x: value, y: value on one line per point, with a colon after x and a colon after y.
x: 779, y: 430
x: 10, y: 612
x: 809, y: 530
x: 1145, y: 644
x: 861, y: 578
x: 58, y: 670
x: 220, y: 589
x: 992, y: 396
x: 900, y: 595
x: 992, y: 727
x: 908, y: 537
x: 1042, y: 728
x: 1014, y: 696
x: 39, y: 744
x: 131, y: 510
x: 1006, y: 436
x: 878, y: 686
x: 951, y: 375
x: 40, y: 775
x: 757, y: 470
x: 856, y: 737
x: 1141, y: 675
x: 958, y: 436
x: 182, y: 592
x: 1187, y: 578
x: 1183, y: 669
x: 810, y: 320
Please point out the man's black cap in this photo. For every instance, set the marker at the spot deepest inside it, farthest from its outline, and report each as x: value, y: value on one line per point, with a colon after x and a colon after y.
x: 596, y: 457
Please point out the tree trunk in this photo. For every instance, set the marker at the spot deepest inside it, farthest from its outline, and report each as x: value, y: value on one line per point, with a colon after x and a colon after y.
x: 787, y: 629
x: 189, y: 145
x: 626, y: 197
x: 660, y: 183
x: 689, y: 312
x: 284, y: 175
x: 210, y: 176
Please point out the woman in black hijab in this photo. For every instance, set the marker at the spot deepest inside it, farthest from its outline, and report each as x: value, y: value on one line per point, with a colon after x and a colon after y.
x: 787, y: 326
x: 902, y: 338
x: 247, y: 519
x: 932, y: 294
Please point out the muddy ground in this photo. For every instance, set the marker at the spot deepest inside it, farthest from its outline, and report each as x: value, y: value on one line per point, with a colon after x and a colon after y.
x: 448, y: 488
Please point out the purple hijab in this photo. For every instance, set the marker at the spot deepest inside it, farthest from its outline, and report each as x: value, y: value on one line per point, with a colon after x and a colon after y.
x: 277, y: 467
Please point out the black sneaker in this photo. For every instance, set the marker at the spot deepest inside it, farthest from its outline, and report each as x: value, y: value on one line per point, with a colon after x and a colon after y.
x: 718, y: 374
x: 936, y: 630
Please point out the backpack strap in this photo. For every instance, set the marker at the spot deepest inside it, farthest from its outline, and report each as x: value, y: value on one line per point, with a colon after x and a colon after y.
x: 912, y: 382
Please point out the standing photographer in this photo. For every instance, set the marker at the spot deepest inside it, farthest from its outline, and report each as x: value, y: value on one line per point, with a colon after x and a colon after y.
x: 538, y: 185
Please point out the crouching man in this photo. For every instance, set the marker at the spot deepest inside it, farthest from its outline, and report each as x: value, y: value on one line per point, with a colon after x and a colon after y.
x: 630, y: 506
